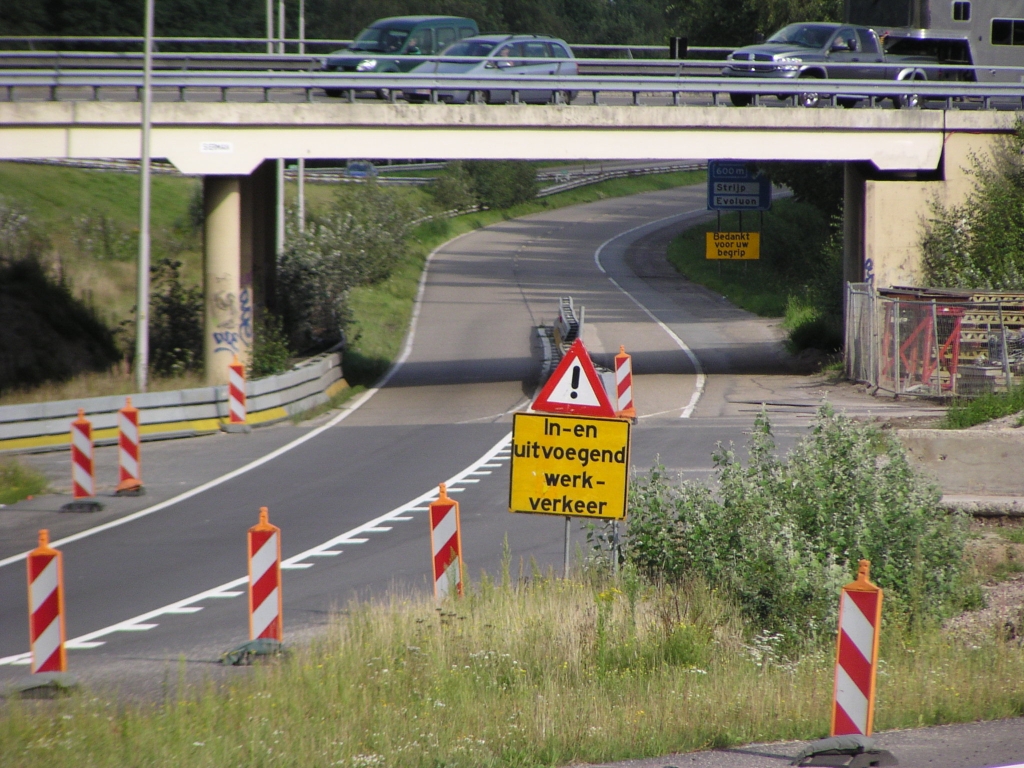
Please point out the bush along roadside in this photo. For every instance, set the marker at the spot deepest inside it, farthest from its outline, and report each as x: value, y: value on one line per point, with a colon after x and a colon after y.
x: 781, y: 537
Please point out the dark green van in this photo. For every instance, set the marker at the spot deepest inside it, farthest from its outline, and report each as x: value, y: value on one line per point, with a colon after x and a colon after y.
x: 374, y: 48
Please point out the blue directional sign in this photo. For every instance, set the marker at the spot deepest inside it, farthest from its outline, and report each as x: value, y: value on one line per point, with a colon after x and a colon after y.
x: 735, y: 186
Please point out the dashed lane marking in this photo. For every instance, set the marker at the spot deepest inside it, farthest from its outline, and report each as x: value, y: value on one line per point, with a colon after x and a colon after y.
x: 497, y: 454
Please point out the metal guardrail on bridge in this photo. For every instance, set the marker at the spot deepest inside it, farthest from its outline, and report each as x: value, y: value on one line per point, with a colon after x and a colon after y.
x: 436, y: 87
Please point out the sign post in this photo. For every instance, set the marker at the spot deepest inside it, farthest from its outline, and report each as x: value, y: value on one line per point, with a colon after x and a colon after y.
x: 572, y: 458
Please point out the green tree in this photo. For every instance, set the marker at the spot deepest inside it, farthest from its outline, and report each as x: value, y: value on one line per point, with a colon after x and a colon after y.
x: 176, y: 322
x: 980, y: 243
x: 358, y: 240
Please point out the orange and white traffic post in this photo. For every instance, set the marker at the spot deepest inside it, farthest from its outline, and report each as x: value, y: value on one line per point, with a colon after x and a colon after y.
x: 446, y: 545
x: 265, y: 603
x: 128, y: 454
x: 624, y: 385
x: 236, y: 392
x: 46, y: 607
x: 860, y: 620
x: 83, y: 477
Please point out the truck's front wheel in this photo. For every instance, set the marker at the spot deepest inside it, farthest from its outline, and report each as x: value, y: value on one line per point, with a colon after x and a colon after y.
x: 809, y: 99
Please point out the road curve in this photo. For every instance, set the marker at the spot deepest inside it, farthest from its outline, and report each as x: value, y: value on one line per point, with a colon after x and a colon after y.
x: 473, y: 360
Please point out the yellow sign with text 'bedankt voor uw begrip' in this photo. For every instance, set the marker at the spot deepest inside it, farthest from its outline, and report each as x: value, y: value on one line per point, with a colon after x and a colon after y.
x: 733, y: 245
x: 569, y: 465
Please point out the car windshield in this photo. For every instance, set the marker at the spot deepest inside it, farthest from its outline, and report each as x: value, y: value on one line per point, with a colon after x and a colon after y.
x: 380, y: 39
x: 469, y: 48
x: 806, y: 35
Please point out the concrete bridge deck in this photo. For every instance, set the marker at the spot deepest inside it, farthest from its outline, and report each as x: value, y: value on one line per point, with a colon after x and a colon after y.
x: 234, y: 138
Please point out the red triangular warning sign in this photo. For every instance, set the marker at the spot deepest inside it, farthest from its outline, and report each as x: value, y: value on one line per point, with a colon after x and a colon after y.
x: 575, y: 387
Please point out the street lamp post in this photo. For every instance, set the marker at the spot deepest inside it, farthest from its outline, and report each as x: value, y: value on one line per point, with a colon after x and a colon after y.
x: 142, y: 287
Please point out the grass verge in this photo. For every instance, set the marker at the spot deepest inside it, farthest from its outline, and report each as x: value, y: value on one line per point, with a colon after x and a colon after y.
x: 18, y: 482
x: 116, y: 382
x: 966, y: 413
x: 550, y: 672
x: 382, y: 312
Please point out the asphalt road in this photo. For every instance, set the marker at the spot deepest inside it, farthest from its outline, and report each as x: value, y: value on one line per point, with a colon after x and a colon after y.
x: 164, y: 591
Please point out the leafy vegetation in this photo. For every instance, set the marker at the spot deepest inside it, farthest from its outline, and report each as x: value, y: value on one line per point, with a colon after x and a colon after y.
x: 980, y: 244
x: 270, y: 353
x: 496, y: 184
x: 962, y: 414
x: 18, y: 482
x: 176, y: 322
x: 358, y: 240
x: 781, y: 537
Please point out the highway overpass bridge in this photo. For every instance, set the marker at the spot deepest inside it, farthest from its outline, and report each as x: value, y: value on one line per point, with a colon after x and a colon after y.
x: 897, y: 162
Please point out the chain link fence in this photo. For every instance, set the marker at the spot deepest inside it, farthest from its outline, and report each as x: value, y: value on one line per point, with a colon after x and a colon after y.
x: 935, y: 343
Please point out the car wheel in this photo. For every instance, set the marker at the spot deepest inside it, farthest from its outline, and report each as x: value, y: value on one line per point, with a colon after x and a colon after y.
x: 809, y: 99
x: 907, y: 101
x: 741, y: 99
x: 384, y: 93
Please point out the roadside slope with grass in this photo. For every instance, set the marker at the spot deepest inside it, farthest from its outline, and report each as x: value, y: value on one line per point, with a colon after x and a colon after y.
x: 798, y: 277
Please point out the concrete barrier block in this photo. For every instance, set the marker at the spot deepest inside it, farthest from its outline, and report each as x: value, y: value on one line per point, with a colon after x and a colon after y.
x: 969, y: 461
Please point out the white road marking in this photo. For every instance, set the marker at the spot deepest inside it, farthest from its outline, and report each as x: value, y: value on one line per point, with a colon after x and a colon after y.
x: 230, y: 589
x: 701, y: 382
x: 345, y: 413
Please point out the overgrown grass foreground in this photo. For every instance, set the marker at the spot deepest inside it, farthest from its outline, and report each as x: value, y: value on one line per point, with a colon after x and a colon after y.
x: 544, y: 672
x: 966, y: 413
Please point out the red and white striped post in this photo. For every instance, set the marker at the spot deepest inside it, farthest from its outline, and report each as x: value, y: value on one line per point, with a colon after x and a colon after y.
x: 236, y: 392
x: 624, y: 385
x: 265, y: 603
x: 128, y: 455
x: 83, y: 479
x: 446, y: 545
x: 46, y: 607
x: 860, y: 619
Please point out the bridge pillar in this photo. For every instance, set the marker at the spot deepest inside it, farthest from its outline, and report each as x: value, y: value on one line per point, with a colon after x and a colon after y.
x: 259, y: 211
x: 853, y: 223
x: 223, y: 332
x: 238, y: 264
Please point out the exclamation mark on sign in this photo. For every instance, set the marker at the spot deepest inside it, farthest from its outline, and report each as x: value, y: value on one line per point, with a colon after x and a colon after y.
x: 575, y: 382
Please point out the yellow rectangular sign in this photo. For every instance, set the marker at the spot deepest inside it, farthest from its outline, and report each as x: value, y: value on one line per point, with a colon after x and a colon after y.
x: 734, y: 245
x: 569, y: 465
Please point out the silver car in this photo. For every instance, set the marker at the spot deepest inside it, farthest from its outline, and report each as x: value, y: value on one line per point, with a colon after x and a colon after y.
x: 508, y: 55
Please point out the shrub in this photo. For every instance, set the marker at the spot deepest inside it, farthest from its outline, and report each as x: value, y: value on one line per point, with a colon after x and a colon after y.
x: 453, y: 189
x: 781, y: 537
x: 500, y: 184
x: 980, y: 244
x: 175, y: 323
x: 357, y: 241
x: 270, y: 352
